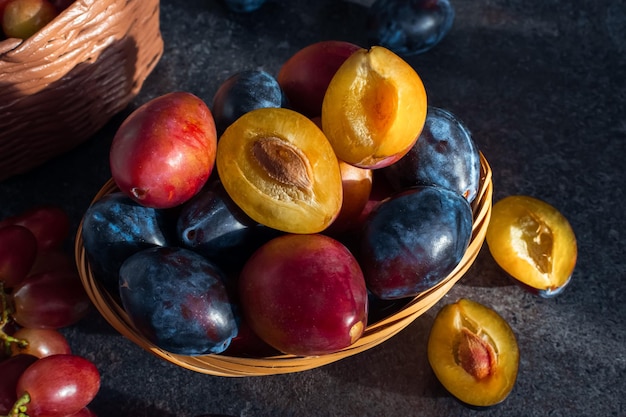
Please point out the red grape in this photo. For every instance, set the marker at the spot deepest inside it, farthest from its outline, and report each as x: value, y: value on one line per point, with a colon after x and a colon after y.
x: 52, y: 260
x: 50, y: 224
x: 11, y: 369
x: 40, y: 342
x: 58, y: 385
x: 18, y: 249
x: 52, y: 299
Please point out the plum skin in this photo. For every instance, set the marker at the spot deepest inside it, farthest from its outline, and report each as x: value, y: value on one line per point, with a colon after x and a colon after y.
x: 409, y: 27
x: 214, y: 226
x: 116, y: 227
x: 242, y: 92
x: 413, y: 240
x: 304, y: 295
x: 164, y: 151
x: 444, y: 154
x: 305, y: 76
x: 177, y: 299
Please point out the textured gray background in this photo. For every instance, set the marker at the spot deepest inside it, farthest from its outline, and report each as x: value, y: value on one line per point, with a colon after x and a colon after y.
x: 541, y: 86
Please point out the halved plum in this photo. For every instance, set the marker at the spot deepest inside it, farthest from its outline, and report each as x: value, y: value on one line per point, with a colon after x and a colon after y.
x: 374, y: 108
x: 473, y: 352
x: 534, y: 243
x: 280, y: 169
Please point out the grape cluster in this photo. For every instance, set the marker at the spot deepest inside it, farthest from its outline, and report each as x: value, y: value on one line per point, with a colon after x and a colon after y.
x: 40, y: 293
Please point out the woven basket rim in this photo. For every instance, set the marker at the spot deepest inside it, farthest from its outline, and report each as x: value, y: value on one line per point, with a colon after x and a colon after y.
x: 231, y: 366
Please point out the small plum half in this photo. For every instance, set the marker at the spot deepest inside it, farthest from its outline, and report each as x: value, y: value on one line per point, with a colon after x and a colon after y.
x: 534, y: 243
x: 474, y: 353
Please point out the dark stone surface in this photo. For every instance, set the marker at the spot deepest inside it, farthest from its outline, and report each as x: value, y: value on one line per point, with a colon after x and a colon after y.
x: 540, y: 84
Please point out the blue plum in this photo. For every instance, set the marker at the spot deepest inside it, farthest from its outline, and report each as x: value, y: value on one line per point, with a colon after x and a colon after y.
x: 214, y: 226
x: 177, y: 299
x: 242, y: 92
x: 409, y: 27
x: 413, y: 240
x: 445, y: 155
x: 244, y: 6
x: 114, y: 228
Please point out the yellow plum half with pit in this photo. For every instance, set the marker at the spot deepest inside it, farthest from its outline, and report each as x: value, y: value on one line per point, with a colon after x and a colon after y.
x: 473, y: 352
x: 374, y: 108
x: 164, y: 152
x: 280, y: 169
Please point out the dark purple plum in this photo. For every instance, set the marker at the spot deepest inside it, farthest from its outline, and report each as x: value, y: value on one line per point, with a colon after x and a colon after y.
x: 445, y: 155
x: 409, y: 27
x: 177, y: 299
x: 243, y: 6
x: 242, y: 92
x: 413, y: 240
x: 214, y: 226
x: 114, y: 228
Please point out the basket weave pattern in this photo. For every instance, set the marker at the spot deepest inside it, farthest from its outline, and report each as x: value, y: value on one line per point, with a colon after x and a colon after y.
x: 374, y: 334
x: 61, y: 85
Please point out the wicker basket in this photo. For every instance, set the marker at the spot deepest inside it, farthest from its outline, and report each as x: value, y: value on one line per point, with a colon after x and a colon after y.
x: 374, y: 334
x: 61, y: 85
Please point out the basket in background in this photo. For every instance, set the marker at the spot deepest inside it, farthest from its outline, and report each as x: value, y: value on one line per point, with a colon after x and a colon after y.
x: 64, y: 83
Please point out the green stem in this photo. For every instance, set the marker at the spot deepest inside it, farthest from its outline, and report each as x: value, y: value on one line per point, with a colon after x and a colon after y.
x: 20, y: 407
x: 5, y: 318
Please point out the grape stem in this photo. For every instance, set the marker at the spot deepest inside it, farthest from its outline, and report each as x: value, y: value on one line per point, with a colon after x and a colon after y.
x: 4, y: 320
x: 20, y: 406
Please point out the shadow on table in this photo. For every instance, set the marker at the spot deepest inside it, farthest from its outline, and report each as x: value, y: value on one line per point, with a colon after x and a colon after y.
x: 124, y: 406
x: 398, y: 365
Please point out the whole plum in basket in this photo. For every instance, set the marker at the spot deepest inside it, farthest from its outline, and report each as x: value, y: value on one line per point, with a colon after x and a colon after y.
x: 164, y: 152
x: 214, y: 226
x: 116, y: 227
x: 177, y: 299
x: 445, y: 155
x: 304, y: 294
x: 242, y: 92
x: 413, y: 240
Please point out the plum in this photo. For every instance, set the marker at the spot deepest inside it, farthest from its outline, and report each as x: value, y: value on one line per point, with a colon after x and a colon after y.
x: 305, y: 76
x: 374, y: 108
x: 413, y: 240
x: 473, y: 352
x: 280, y: 169
x: 409, y: 27
x: 242, y: 92
x: 115, y: 227
x: 445, y: 154
x: 214, y: 226
x: 177, y: 299
x: 304, y: 294
x: 534, y: 243
x: 164, y: 151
